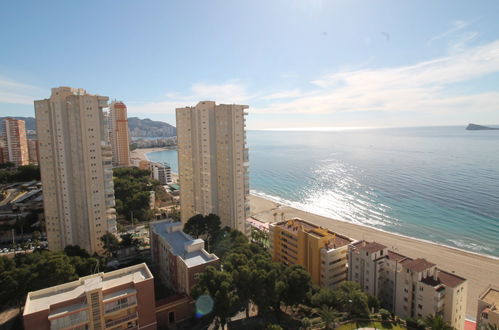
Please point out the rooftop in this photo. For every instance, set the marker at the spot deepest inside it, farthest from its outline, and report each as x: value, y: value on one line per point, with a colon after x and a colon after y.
x: 370, y: 247
x: 418, y: 265
x: 450, y: 279
x: 491, y: 296
x: 296, y: 224
x: 396, y: 256
x: 190, y: 250
x: 260, y: 225
x: 43, y: 299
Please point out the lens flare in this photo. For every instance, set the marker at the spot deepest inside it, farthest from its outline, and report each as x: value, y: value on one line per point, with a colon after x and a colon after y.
x: 204, y: 306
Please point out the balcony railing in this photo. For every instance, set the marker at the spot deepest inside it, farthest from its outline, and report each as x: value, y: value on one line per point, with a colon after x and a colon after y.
x: 127, y: 318
x: 120, y: 306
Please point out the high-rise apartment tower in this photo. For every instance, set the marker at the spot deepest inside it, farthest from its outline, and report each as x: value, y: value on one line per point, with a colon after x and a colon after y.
x: 120, y: 142
x: 16, y: 144
x: 76, y: 169
x: 213, y: 162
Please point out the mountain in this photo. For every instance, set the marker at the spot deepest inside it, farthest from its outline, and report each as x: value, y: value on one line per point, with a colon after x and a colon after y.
x: 30, y: 122
x: 150, y: 128
x: 138, y: 127
x: 474, y: 127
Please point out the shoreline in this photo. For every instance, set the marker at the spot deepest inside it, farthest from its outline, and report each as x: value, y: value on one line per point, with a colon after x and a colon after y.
x: 141, y: 153
x: 480, y: 270
x: 266, y: 197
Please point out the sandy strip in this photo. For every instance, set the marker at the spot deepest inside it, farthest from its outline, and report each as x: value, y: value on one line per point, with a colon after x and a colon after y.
x: 141, y: 153
x: 479, y: 270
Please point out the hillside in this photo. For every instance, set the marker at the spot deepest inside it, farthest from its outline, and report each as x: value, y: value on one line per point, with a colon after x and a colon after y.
x: 30, y: 122
x: 138, y: 127
x: 150, y: 128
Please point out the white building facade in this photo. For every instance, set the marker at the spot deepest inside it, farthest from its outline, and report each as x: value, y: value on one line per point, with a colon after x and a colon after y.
x: 213, y: 162
x: 76, y: 169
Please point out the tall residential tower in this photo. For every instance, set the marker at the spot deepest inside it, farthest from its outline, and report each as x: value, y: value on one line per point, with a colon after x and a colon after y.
x: 120, y: 142
x: 213, y: 162
x: 76, y: 169
x: 16, y: 144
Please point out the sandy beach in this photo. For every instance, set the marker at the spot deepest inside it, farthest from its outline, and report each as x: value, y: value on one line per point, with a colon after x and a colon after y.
x: 479, y: 270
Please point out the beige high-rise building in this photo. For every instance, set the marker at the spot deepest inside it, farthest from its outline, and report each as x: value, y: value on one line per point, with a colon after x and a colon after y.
x: 76, y: 169
x: 16, y: 144
x: 119, y: 137
x: 408, y: 287
x: 213, y: 162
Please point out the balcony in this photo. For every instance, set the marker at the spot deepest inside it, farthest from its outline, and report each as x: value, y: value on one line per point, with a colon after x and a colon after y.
x: 112, y: 309
x: 127, y: 318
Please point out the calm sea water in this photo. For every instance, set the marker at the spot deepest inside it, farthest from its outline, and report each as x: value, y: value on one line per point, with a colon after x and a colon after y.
x: 436, y: 183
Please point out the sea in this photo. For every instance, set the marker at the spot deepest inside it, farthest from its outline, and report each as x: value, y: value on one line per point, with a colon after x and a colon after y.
x: 439, y: 184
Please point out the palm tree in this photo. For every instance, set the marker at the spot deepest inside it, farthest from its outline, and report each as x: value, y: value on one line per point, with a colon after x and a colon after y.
x: 328, y: 315
x: 436, y: 322
x: 491, y: 326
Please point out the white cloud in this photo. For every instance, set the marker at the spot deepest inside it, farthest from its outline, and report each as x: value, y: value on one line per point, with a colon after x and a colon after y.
x: 419, y: 87
x: 18, y: 93
x: 456, y: 27
x: 230, y: 92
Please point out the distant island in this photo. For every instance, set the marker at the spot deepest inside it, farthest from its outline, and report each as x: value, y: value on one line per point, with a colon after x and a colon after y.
x: 475, y: 127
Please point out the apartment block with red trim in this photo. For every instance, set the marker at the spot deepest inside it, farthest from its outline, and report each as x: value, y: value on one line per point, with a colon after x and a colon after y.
x: 179, y: 257
x: 121, y: 299
x: 408, y: 287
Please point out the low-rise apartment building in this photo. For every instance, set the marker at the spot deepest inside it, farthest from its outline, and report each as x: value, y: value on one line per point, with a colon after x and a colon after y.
x: 408, y: 287
x: 322, y: 252
x: 488, y: 308
x: 161, y: 172
x: 121, y: 299
x: 179, y: 257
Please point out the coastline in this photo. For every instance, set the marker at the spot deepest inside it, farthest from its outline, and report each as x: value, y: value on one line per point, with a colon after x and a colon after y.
x: 478, y: 269
x: 142, y: 155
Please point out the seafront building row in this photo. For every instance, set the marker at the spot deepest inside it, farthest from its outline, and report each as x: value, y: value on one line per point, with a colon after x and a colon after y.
x: 405, y: 286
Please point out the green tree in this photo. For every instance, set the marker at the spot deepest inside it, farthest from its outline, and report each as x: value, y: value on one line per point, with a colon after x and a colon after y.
x: 436, y: 322
x: 385, y: 315
x: 325, y: 296
x: 220, y: 287
x: 298, y: 284
x: 110, y: 242
x: 328, y: 316
x: 76, y: 251
x: 127, y: 240
x: 195, y: 226
x: 373, y: 303
x: 353, y: 300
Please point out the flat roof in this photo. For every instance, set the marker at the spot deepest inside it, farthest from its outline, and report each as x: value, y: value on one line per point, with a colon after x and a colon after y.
x: 42, y: 299
x: 295, y: 224
x: 491, y: 296
x: 179, y: 242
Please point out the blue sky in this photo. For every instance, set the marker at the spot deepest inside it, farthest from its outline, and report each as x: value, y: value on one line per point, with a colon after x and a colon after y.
x: 309, y: 63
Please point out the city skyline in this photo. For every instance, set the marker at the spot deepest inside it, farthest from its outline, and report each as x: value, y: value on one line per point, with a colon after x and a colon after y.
x: 320, y: 64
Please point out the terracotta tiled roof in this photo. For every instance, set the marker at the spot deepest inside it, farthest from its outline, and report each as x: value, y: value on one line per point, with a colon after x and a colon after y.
x: 418, y: 265
x: 449, y: 279
x: 396, y: 256
x: 371, y: 247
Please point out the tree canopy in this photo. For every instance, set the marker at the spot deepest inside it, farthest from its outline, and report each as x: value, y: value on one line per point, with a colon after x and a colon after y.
x: 131, y: 191
x: 41, y: 269
x: 205, y: 227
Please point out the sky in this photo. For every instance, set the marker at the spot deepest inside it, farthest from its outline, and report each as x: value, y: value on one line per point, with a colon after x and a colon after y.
x: 297, y: 64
